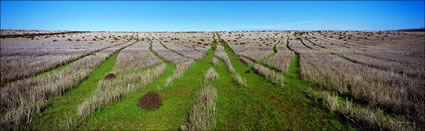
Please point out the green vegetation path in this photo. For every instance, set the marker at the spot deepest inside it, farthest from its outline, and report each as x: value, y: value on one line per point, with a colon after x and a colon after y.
x: 271, y: 55
x: 177, y: 99
x: 62, y: 110
x: 263, y: 105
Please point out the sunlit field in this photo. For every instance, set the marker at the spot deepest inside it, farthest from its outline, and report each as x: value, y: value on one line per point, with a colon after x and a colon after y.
x: 251, y: 80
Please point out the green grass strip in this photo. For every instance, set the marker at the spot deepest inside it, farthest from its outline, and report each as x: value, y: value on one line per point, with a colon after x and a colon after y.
x: 62, y: 110
x: 126, y: 114
x: 177, y: 99
x: 263, y: 105
x: 271, y: 55
x: 60, y: 67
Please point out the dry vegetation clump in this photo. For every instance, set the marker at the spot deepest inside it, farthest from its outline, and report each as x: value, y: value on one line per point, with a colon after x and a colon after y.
x: 255, y: 46
x: 22, y: 58
x: 180, y: 69
x: 22, y: 33
x: 389, y: 90
x: 150, y: 101
x: 280, y: 61
x: 135, y: 58
x: 246, y: 60
x: 362, y: 82
x: 186, y: 44
x: 111, y: 91
x: 271, y: 75
x: 256, y: 54
x: 168, y: 54
x: 238, y: 79
x: 18, y: 67
x: 374, y: 119
x: 24, y: 98
x: 211, y: 75
x: 202, y: 116
x: 215, y: 61
x: 416, y: 71
x: 223, y: 55
x: 185, y: 51
x: 403, y: 59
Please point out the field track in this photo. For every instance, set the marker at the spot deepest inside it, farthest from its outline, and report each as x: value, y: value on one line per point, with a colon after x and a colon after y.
x: 62, y: 65
x: 272, y: 80
x: 62, y: 111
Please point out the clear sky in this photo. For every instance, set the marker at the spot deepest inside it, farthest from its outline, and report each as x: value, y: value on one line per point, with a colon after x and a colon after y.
x: 211, y: 15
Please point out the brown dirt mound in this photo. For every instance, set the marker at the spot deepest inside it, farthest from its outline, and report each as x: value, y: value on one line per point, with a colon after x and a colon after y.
x: 247, y: 71
x: 150, y: 100
x: 110, y: 76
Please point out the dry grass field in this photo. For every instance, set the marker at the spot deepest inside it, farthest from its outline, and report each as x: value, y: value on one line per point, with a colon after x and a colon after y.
x: 250, y: 80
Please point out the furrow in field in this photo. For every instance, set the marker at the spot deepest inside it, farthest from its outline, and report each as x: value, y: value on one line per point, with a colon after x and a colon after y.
x: 274, y: 51
x: 263, y: 105
x: 183, y: 50
x: 62, y: 112
x: 56, y: 67
x: 309, y: 63
x: 282, y: 59
x: 24, y: 99
x: 168, y: 54
x: 202, y: 115
x: 270, y: 74
x: 403, y: 69
x: 129, y: 75
x: 176, y: 99
x: 172, y: 50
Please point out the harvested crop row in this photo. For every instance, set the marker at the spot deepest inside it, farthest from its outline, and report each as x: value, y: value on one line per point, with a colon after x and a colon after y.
x: 187, y: 52
x: 389, y: 90
x: 282, y: 59
x: 383, y: 45
x: 167, y: 54
x: 180, y: 69
x: 135, y: 58
x: 223, y: 55
x: 210, y: 76
x: 110, y: 91
x: 201, y: 49
x: 368, y: 117
x: 246, y: 60
x: 238, y: 79
x: 202, y: 115
x: 24, y: 98
x: 271, y: 75
x: 397, y: 93
x: 253, y: 45
x: 215, y: 61
x: 358, y: 56
x: 26, y: 65
x: 413, y: 70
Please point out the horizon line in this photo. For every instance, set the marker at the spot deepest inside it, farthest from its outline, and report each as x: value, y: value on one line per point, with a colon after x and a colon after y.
x: 407, y: 29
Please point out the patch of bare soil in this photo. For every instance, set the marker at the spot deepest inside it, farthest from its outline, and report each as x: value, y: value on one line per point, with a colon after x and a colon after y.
x: 110, y: 76
x: 150, y: 100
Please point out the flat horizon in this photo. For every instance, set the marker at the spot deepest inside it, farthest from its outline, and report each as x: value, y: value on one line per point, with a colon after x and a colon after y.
x: 190, y: 16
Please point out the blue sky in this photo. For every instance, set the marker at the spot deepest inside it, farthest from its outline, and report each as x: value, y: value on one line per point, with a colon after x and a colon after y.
x: 211, y: 15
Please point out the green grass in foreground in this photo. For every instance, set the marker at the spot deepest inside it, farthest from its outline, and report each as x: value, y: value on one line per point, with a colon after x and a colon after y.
x: 263, y: 105
x: 126, y: 114
x: 63, y: 109
x: 177, y: 99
